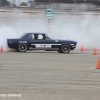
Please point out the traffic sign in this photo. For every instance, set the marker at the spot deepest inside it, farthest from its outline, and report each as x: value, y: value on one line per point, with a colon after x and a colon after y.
x: 49, y: 12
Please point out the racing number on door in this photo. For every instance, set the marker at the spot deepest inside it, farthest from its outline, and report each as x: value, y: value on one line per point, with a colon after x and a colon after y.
x: 43, y: 46
x: 22, y: 41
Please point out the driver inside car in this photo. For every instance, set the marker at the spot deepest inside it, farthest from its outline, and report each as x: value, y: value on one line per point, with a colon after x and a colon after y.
x: 36, y: 36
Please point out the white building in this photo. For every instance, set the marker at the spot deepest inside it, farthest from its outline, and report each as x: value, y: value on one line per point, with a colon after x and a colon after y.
x: 31, y: 3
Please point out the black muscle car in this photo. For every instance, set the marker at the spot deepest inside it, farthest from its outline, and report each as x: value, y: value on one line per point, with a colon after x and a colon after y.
x: 41, y: 41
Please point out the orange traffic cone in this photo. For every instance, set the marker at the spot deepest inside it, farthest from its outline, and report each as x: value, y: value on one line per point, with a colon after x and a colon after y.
x: 1, y: 49
x: 82, y: 48
x: 98, y: 64
x: 95, y: 51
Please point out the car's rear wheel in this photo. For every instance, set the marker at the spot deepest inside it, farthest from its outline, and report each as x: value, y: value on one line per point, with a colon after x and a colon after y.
x: 65, y: 48
x: 22, y: 47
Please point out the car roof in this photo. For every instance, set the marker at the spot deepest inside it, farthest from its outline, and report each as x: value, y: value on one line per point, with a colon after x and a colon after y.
x: 26, y: 35
x: 35, y: 33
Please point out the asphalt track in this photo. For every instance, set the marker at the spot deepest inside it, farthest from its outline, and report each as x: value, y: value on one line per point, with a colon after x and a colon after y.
x: 43, y: 75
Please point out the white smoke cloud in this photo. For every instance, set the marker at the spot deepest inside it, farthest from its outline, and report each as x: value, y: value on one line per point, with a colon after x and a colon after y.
x: 82, y: 28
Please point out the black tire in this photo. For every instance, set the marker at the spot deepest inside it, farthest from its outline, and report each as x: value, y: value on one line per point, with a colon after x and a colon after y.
x: 22, y: 47
x: 65, y: 48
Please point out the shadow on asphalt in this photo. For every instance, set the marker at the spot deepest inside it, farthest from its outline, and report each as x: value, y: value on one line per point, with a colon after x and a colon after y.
x: 82, y: 53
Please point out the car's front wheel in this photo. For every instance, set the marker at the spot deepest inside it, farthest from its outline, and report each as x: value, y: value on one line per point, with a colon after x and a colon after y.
x: 65, y: 48
x: 22, y: 47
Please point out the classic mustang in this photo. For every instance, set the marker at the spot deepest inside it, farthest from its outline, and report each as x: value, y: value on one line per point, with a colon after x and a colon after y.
x: 41, y: 41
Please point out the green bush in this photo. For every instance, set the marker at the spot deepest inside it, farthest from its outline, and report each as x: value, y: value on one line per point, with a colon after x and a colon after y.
x: 23, y: 4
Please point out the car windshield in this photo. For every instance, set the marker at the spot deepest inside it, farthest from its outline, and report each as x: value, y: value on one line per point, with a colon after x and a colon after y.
x: 25, y: 36
x: 22, y: 36
x: 48, y: 37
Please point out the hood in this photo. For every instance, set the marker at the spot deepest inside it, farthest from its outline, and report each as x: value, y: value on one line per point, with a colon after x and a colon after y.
x: 64, y: 40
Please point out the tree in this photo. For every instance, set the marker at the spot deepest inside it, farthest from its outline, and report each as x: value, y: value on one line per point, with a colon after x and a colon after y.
x: 23, y: 4
x: 4, y: 3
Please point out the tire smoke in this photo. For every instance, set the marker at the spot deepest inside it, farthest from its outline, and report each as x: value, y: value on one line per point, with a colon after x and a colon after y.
x: 82, y: 28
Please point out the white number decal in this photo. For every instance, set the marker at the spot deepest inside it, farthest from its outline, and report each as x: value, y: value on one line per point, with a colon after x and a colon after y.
x: 22, y: 41
x: 43, y: 46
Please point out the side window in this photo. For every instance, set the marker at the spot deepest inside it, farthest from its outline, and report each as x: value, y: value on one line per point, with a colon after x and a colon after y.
x: 44, y: 37
x: 40, y: 36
